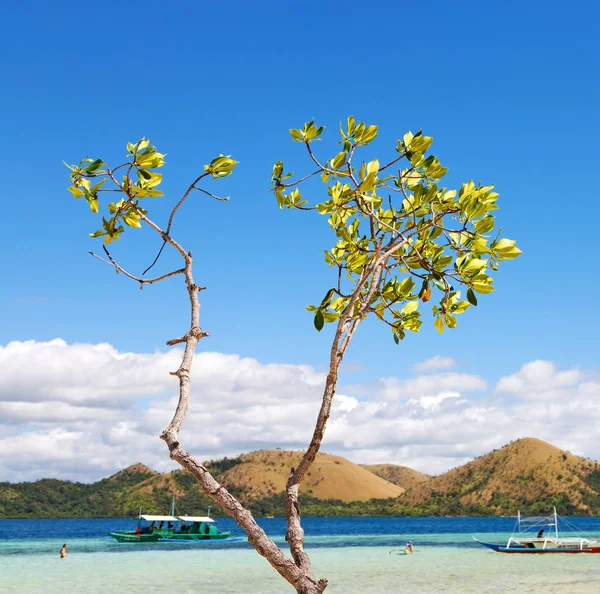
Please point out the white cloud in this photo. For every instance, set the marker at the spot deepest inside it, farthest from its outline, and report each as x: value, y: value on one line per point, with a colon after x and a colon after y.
x: 395, y: 389
x: 81, y: 373
x: 539, y: 378
x: 84, y: 411
x: 436, y: 363
x: 434, y: 402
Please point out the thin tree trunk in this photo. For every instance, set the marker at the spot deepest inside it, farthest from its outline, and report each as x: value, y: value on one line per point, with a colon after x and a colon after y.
x: 298, y: 572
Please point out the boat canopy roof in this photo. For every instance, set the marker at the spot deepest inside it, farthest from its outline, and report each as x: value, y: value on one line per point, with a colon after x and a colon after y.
x: 149, y: 518
x: 548, y: 520
x: 195, y: 519
x: 159, y: 518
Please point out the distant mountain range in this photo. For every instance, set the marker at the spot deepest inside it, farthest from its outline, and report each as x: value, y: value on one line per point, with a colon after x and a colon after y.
x: 528, y: 475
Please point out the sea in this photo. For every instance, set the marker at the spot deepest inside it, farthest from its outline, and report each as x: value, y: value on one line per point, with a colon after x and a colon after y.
x: 356, y: 555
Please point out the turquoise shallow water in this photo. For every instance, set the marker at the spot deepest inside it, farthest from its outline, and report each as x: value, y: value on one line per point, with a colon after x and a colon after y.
x: 353, y: 560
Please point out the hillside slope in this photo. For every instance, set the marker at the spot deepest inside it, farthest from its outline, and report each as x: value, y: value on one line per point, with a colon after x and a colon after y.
x: 264, y: 473
x: 528, y: 474
x: 66, y: 499
x: 403, y: 476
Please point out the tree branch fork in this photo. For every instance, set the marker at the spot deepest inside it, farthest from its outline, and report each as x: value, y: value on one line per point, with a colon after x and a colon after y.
x: 297, y: 571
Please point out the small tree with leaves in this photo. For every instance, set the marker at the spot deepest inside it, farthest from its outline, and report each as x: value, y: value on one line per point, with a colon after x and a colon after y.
x: 135, y: 180
x: 400, y: 237
x: 435, y: 235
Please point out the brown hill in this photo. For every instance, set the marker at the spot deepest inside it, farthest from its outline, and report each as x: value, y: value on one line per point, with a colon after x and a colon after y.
x: 403, y: 476
x: 522, y: 474
x: 265, y: 473
x: 527, y: 475
x: 133, y: 470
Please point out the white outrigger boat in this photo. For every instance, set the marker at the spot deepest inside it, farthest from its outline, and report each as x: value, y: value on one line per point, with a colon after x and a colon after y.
x: 519, y: 542
x: 172, y: 528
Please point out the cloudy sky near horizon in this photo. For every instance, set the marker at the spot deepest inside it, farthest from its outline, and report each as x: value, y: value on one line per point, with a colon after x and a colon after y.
x: 506, y: 89
x: 84, y: 411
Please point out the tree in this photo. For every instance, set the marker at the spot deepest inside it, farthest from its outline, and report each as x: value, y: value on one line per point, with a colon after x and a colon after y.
x: 418, y: 239
x: 414, y: 240
x: 141, y: 181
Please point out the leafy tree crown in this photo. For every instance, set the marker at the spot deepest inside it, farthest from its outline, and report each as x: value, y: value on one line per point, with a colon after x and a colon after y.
x: 401, y: 236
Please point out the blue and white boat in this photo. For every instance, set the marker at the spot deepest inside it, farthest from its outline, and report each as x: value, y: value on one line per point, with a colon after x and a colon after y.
x: 521, y: 540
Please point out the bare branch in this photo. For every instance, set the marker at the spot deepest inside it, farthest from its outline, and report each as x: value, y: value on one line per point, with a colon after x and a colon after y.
x: 142, y: 281
x: 219, y: 198
x: 162, y: 247
x: 172, y: 215
x: 322, y: 167
x: 392, y: 162
x: 292, y: 184
x: 183, y: 199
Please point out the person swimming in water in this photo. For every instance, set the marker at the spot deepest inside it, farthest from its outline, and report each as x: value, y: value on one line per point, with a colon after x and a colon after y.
x: 63, y: 551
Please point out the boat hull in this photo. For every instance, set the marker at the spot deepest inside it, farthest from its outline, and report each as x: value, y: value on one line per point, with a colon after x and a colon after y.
x: 520, y: 549
x: 133, y: 537
x: 166, y: 536
x: 196, y: 537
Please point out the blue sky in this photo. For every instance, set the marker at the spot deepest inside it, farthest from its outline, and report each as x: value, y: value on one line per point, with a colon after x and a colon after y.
x: 509, y: 91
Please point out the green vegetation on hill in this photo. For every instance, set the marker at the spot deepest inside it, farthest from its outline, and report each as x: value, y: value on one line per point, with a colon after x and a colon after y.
x: 52, y: 498
x: 527, y: 475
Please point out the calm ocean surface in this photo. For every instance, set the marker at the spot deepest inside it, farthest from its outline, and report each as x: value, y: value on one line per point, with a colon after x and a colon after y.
x: 357, y: 555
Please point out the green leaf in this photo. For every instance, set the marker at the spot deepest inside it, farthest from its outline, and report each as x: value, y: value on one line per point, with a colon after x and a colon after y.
x: 482, y: 288
x: 94, y: 166
x: 460, y: 307
x: 484, y: 225
x: 319, y: 320
x: 297, y: 135
x: 439, y: 284
x: 350, y: 125
x: 420, y: 143
x: 439, y: 324
x: 373, y: 167
x: 471, y: 298
x: 327, y: 299
x: 368, y: 135
x: 504, y: 243
x: 97, y: 186
x: 508, y: 253
x: 410, y: 307
x: 150, y: 159
x: 94, y: 205
x: 71, y: 167
x: 339, y: 160
x: 474, y: 265
x: 505, y: 249
x: 77, y: 193
x: 132, y: 220
x: 151, y: 179
x: 406, y: 286
x: 221, y: 166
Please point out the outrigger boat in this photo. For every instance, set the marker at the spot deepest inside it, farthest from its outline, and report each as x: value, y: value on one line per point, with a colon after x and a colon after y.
x: 519, y: 542
x: 172, y: 528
